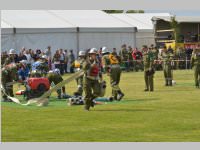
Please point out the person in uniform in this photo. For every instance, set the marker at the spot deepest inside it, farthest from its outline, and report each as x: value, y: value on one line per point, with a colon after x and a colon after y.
x: 195, y: 62
x: 78, y: 66
x: 11, y: 58
x: 124, y: 57
x: 4, y: 55
x: 167, y: 58
x: 112, y: 68
x: 91, y: 78
x: 148, y: 60
x: 9, y: 75
x: 130, y: 58
x: 55, y: 77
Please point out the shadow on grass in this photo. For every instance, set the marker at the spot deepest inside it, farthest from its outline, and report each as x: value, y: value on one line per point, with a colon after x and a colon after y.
x: 140, y: 100
x: 123, y: 110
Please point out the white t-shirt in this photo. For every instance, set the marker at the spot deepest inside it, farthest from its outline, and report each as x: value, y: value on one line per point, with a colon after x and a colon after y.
x: 29, y: 58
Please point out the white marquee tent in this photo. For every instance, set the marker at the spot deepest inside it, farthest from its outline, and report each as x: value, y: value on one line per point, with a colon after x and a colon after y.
x: 143, y: 22
x: 67, y: 29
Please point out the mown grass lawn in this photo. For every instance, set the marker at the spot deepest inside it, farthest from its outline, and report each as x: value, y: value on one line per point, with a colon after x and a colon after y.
x: 167, y: 114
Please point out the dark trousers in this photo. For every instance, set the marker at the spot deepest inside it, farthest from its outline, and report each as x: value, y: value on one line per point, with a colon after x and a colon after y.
x: 61, y: 69
x: 57, y: 66
x: 65, y: 68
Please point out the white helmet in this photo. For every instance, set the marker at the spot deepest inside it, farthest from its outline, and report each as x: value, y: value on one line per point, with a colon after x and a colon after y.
x: 57, y: 71
x: 44, y: 56
x: 105, y: 50
x: 81, y: 53
x: 93, y: 51
x: 12, y: 51
x: 24, y: 61
x: 50, y: 71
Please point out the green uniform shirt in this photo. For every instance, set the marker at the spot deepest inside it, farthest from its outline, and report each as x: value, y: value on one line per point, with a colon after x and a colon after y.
x: 106, y: 62
x: 167, y: 57
x: 54, y: 77
x: 148, y: 59
x: 124, y: 54
x: 195, y: 59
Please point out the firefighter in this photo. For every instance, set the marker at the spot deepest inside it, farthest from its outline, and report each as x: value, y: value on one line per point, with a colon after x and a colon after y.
x: 9, y: 75
x: 55, y: 77
x: 112, y: 68
x: 78, y: 65
x: 167, y: 58
x: 91, y: 78
x: 124, y: 57
x: 12, y: 58
x: 195, y: 62
x: 4, y: 55
x: 148, y: 61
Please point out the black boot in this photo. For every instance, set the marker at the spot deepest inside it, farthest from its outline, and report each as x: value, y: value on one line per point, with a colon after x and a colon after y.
x: 166, y: 82
x: 120, y: 95
x: 170, y: 82
x: 86, y: 107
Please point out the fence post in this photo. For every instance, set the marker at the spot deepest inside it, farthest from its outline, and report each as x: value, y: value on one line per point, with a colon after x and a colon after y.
x: 186, y: 63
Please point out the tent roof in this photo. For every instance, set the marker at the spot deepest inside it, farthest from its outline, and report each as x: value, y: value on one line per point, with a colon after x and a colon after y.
x: 33, y: 19
x: 89, y: 18
x: 180, y: 19
x: 46, y: 20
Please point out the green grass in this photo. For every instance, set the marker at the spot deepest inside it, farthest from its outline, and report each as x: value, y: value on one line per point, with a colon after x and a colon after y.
x: 168, y: 114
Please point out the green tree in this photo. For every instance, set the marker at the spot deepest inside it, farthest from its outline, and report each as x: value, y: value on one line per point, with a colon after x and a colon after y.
x: 121, y: 11
x: 135, y: 11
x: 113, y: 11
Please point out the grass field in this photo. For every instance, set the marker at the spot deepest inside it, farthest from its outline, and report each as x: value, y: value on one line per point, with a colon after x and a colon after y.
x: 168, y: 114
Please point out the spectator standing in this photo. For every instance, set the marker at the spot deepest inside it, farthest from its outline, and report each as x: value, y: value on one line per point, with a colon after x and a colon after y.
x: 62, y: 61
x: 130, y: 58
x: 66, y: 60
x: 49, y: 56
x: 28, y: 58
x: 72, y: 59
x: 56, y: 59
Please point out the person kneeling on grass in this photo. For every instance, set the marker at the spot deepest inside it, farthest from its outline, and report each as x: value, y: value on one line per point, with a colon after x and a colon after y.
x: 55, y: 78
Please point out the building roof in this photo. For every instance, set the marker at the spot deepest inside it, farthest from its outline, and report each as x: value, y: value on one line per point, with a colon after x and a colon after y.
x: 180, y: 19
x: 141, y: 20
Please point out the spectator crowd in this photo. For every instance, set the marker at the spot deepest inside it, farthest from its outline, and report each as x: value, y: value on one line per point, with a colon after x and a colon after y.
x: 64, y: 60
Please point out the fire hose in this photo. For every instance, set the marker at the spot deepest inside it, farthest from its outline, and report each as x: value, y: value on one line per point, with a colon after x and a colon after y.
x: 43, y: 100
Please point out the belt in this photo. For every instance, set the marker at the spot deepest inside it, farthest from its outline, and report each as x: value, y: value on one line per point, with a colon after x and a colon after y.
x: 114, y: 65
x: 91, y: 77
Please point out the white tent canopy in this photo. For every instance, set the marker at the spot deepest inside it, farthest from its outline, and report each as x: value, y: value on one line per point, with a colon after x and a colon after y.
x: 67, y: 29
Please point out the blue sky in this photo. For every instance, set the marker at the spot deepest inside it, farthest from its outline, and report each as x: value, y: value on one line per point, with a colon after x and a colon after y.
x: 177, y: 12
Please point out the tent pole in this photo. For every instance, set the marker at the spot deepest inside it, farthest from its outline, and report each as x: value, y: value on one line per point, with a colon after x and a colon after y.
x: 77, y: 41
x: 198, y: 33
x: 134, y: 37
